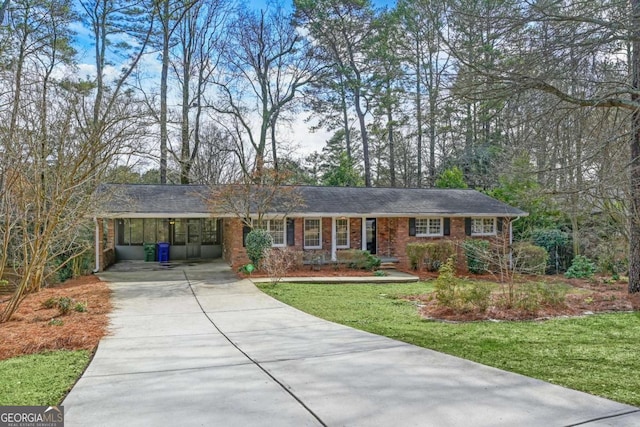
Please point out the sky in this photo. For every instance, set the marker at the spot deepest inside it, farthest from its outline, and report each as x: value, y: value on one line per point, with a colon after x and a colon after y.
x: 297, y: 132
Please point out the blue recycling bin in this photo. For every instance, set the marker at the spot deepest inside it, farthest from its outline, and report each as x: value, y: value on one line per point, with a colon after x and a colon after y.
x: 163, y: 252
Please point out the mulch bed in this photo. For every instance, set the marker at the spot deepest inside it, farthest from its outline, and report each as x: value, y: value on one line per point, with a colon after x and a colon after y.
x: 29, y: 330
x: 594, y: 296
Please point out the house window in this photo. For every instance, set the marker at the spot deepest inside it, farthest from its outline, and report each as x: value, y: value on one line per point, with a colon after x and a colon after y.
x: 312, y: 233
x: 180, y: 232
x: 483, y: 226
x: 209, y: 231
x: 149, y: 226
x: 342, y: 233
x: 134, y: 232
x: 275, y: 227
x: 428, y: 227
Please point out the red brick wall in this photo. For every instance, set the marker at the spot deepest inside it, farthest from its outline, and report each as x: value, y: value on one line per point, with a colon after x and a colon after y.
x: 392, y: 238
x: 355, y: 233
x: 232, y: 250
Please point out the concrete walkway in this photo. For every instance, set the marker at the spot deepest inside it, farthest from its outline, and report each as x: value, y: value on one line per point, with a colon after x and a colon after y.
x: 192, y: 346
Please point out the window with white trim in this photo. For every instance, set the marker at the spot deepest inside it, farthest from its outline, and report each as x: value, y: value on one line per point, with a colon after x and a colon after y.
x: 483, y: 226
x: 429, y: 227
x: 342, y: 233
x: 275, y: 227
x: 312, y: 233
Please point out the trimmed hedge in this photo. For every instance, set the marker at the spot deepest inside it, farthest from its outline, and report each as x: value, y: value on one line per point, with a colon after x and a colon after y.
x: 431, y: 255
x: 357, y: 259
x: 529, y: 258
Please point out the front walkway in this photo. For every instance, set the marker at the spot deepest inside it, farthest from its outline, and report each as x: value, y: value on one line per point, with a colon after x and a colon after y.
x: 193, y: 346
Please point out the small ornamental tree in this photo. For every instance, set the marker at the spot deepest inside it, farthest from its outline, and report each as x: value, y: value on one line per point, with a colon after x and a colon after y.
x: 256, y: 243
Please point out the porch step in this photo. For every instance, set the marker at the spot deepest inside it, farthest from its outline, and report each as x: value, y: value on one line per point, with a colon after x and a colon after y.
x: 387, y: 266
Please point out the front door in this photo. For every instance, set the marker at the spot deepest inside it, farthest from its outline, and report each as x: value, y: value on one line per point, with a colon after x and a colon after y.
x: 371, y: 235
x: 193, y: 239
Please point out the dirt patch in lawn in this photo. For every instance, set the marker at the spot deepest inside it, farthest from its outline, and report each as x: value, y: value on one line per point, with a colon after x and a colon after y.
x: 31, y: 329
x: 586, y: 297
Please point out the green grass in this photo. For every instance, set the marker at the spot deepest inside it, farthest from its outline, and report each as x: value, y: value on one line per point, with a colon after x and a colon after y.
x: 40, y: 379
x: 595, y: 354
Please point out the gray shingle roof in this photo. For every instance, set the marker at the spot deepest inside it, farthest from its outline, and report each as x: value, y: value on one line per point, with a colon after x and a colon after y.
x: 121, y: 200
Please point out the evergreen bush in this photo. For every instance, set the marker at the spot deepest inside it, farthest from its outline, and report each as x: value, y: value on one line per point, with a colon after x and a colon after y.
x: 529, y: 258
x: 477, y: 253
x: 257, y: 241
x: 581, y: 268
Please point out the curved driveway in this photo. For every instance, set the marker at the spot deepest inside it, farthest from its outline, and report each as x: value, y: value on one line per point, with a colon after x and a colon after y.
x: 193, y: 346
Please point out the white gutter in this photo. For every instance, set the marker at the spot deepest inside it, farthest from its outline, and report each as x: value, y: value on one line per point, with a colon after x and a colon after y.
x: 511, y: 240
x: 97, y: 247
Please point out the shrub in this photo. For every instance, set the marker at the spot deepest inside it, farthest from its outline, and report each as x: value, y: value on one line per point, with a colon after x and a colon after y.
x: 552, y: 295
x: 50, y: 303
x: 358, y: 259
x: 257, y: 241
x: 449, y: 293
x: 415, y: 253
x: 581, y: 268
x: 558, y: 245
x: 80, y: 307
x: 478, y: 295
x: 380, y: 273
x: 64, y: 305
x: 477, y: 253
x: 430, y: 255
x: 55, y: 322
x: 446, y: 286
x: 277, y: 262
x: 532, y: 296
x: 529, y: 258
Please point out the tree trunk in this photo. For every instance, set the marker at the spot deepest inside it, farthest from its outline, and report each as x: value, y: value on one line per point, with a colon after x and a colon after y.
x: 634, y: 227
x: 163, y: 92
x: 185, y: 151
x: 345, y: 120
x: 365, y: 139
x: 419, y: 111
x: 392, y: 148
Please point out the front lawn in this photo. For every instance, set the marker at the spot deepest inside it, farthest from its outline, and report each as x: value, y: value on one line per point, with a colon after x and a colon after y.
x: 40, y: 379
x: 597, y: 354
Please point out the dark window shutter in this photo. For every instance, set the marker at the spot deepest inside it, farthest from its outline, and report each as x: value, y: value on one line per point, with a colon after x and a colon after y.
x: 291, y: 234
x: 218, y: 231
x: 467, y: 226
x: 412, y: 226
x: 446, y: 228
x: 499, y: 225
x: 245, y: 230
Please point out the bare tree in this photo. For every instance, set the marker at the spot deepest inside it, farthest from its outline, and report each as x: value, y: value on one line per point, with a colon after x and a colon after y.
x: 253, y: 197
x: 267, y: 65
x: 65, y: 134
x: 200, y: 36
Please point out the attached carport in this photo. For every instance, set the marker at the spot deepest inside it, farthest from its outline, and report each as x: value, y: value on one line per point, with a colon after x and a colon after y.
x: 133, y: 218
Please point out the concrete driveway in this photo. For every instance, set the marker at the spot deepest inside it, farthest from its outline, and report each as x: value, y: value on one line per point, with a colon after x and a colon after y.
x: 193, y: 346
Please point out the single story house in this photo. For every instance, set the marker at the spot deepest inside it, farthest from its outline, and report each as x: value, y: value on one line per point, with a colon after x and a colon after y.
x: 328, y: 219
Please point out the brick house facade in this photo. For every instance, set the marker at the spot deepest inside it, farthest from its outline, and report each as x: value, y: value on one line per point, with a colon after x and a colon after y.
x: 380, y: 220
